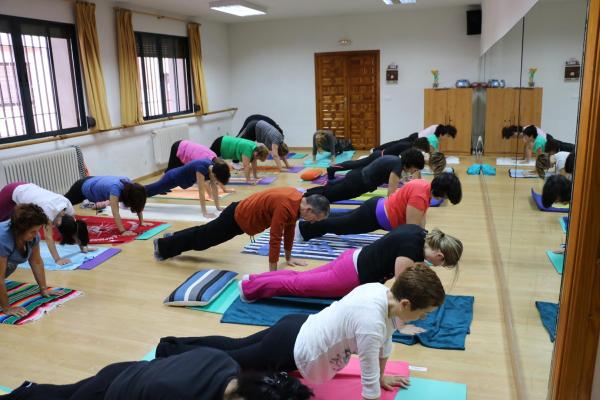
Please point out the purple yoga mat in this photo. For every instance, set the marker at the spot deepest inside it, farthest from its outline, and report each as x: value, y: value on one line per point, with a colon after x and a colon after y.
x: 294, y: 170
x: 262, y: 181
x: 322, y: 180
x: 94, y: 262
x: 289, y: 155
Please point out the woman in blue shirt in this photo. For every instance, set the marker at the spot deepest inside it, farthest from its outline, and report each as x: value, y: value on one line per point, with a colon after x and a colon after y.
x: 19, y: 243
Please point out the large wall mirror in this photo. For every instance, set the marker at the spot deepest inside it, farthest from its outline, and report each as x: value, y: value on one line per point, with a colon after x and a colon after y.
x: 530, y: 116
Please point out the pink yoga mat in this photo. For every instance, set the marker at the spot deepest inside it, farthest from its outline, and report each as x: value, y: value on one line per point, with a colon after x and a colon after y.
x: 346, y: 384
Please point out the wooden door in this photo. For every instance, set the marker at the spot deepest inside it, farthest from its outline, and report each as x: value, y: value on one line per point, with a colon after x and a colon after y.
x: 529, y: 106
x: 460, y: 115
x: 347, y: 90
x: 436, y: 107
x: 500, y: 110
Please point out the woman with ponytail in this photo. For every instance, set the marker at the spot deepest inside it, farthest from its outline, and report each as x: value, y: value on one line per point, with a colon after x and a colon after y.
x: 57, y: 208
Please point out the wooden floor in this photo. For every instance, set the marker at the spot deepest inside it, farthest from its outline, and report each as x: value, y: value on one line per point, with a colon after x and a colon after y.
x: 121, y: 316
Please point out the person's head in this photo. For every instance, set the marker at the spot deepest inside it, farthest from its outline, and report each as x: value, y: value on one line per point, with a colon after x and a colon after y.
x: 442, y: 249
x: 73, y: 231
x: 422, y: 144
x: 417, y: 291
x: 557, y: 189
x: 253, y: 385
x: 412, y: 160
x: 314, y: 208
x: 260, y: 152
x: 321, y: 140
x: 133, y: 196
x: 447, y: 185
x: 26, y: 221
x: 510, y: 131
x: 437, y: 163
x: 220, y: 170
x: 445, y: 130
x: 552, y: 146
x: 570, y: 163
x: 283, y: 150
x: 530, y: 132
x: 542, y: 164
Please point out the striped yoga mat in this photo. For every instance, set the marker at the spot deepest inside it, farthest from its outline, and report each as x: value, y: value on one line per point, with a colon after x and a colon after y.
x: 28, y: 296
x: 326, y: 248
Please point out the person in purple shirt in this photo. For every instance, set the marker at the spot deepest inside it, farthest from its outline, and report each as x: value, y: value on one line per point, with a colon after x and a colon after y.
x: 115, y: 189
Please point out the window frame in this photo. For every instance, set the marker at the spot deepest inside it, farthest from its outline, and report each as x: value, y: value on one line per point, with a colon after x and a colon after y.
x: 188, y: 75
x: 15, y: 31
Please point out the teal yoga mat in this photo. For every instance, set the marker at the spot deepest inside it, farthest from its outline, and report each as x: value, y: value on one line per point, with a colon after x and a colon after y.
x: 150, y: 356
x: 557, y: 260
x: 223, y: 300
x: 564, y: 223
x: 153, y: 232
x: 324, y: 159
x: 297, y: 156
x: 4, y: 390
x: 429, y: 389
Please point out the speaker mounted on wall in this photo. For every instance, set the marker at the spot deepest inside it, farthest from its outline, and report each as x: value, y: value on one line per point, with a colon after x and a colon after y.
x: 474, y: 22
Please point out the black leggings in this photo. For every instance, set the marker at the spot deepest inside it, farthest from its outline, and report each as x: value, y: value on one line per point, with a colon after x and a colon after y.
x: 174, y: 161
x: 216, y: 146
x: 93, y: 388
x: 202, y: 237
x: 351, y: 186
x: 355, y: 164
x: 249, y: 131
x: 360, y: 220
x: 410, y: 139
x: 75, y: 193
x: 271, y: 349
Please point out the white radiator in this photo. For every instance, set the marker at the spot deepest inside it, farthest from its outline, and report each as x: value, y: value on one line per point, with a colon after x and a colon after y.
x: 164, y: 138
x: 55, y: 170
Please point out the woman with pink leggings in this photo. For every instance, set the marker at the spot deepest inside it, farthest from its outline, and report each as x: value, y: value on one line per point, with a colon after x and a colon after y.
x: 377, y: 262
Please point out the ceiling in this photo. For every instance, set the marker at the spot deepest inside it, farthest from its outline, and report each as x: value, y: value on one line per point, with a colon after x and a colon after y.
x: 280, y: 9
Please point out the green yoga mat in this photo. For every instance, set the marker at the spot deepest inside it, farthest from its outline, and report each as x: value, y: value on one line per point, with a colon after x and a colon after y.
x: 557, y: 260
x: 429, y: 389
x: 367, y: 196
x: 324, y: 159
x: 223, y: 300
x: 153, y: 232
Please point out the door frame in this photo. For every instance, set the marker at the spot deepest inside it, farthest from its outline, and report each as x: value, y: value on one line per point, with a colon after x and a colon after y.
x: 377, y: 87
x: 578, y: 327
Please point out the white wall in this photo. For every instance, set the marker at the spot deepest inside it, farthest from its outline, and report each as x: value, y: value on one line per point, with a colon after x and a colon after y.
x: 553, y: 33
x: 129, y: 151
x: 272, y: 64
x: 498, y: 17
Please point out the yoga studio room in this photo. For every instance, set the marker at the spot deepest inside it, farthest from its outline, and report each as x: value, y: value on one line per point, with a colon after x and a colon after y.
x: 300, y: 199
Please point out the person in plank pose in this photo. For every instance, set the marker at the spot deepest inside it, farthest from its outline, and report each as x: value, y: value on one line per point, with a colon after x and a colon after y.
x: 433, y: 133
x: 562, y: 162
x: 216, y: 172
x: 553, y: 146
x: 202, y: 373
x: 557, y: 189
x: 277, y: 208
x: 263, y: 132
x: 115, y: 189
x: 407, y: 205
x: 318, y: 346
x: 233, y: 148
x: 20, y: 243
x: 380, y: 261
x: 385, y: 169
x: 57, y: 208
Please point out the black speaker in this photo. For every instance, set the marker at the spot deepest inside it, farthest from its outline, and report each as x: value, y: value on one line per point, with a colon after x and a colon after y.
x: 474, y: 22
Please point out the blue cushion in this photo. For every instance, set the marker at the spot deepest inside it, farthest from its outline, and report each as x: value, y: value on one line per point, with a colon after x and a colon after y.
x: 200, y: 288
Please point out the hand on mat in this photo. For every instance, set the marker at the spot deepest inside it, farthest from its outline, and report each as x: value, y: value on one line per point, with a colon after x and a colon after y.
x: 16, y: 311
x: 56, y: 292
x: 411, y: 330
x: 207, y: 214
x: 388, y: 382
x: 129, y: 233
x: 522, y: 161
x: 293, y: 262
x: 228, y: 190
x: 62, y: 261
x: 86, y: 249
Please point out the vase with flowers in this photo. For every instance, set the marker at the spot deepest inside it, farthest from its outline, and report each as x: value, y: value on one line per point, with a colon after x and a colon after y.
x: 436, y: 77
x: 531, y: 81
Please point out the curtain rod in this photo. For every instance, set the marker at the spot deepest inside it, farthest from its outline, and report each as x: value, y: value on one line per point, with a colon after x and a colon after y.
x: 158, y: 16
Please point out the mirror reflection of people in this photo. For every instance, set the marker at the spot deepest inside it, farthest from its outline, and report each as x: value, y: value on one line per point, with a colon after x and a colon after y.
x: 561, y: 163
x: 432, y: 133
x: 20, y: 243
x: 202, y: 373
x: 557, y: 189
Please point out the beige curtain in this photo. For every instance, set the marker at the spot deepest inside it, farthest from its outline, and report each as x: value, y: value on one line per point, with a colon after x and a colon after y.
x: 129, y: 79
x: 87, y: 37
x: 198, y: 83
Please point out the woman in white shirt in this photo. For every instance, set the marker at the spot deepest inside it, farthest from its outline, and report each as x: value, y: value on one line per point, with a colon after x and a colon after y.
x: 562, y: 163
x: 320, y: 345
x: 57, y: 208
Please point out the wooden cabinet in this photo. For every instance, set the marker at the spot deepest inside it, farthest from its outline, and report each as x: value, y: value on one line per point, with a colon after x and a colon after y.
x: 451, y: 107
x: 510, y: 106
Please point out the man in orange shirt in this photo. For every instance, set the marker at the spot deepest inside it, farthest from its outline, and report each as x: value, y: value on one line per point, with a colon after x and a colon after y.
x: 277, y: 208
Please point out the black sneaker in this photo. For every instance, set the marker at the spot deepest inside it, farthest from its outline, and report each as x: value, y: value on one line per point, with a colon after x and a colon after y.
x: 157, y: 255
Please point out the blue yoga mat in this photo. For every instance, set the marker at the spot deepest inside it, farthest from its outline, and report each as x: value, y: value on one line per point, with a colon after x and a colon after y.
x: 324, y: 159
x: 447, y: 326
x: 549, y: 316
x: 537, y: 198
x: 557, y: 260
x: 70, y: 251
x: 429, y: 389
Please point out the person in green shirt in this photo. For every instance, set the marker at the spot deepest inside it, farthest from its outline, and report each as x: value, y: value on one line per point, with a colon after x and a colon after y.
x: 235, y: 148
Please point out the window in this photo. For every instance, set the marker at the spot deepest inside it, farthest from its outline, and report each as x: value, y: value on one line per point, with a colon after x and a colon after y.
x: 40, y: 81
x: 163, y: 66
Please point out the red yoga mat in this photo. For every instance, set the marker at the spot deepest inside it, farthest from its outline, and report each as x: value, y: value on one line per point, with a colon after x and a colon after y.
x: 103, y: 230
